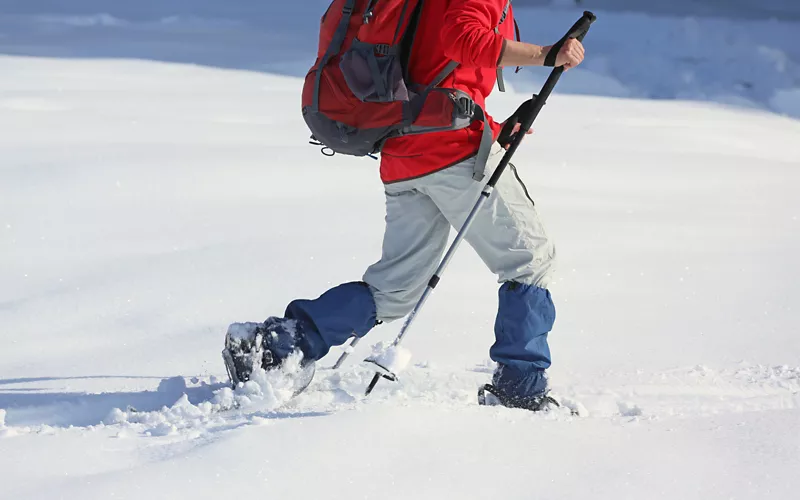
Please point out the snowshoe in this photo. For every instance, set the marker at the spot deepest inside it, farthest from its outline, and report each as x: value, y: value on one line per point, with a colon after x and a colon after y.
x: 489, y: 395
x: 264, y: 345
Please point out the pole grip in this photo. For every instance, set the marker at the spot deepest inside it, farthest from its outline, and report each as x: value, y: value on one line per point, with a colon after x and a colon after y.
x: 581, y: 27
x: 507, y: 133
x: 578, y: 31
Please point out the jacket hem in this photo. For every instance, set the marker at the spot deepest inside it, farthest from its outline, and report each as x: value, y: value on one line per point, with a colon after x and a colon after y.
x: 453, y: 164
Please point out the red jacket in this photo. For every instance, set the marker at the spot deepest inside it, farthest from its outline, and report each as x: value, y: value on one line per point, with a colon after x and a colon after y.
x: 462, y: 31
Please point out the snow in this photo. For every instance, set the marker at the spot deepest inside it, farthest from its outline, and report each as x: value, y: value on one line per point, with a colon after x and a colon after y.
x: 729, y: 61
x: 242, y: 331
x: 392, y: 358
x: 156, y: 186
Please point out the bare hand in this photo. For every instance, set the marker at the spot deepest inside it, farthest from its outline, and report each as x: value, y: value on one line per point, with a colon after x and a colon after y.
x: 570, y: 55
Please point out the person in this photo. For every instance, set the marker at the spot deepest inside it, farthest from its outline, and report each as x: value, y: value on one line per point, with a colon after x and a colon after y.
x: 429, y: 187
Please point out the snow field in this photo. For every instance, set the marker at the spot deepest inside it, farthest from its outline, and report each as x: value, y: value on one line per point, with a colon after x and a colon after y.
x: 147, y: 203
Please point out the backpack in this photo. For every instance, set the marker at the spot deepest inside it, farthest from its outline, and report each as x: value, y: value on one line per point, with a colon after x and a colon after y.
x: 358, y: 94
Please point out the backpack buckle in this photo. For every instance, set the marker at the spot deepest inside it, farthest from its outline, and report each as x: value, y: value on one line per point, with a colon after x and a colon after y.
x: 465, y: 107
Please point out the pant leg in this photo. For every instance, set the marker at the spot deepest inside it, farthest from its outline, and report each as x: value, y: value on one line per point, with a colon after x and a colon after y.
x: 413, y: 243
x: 414, y: 240
x: 332, y: 318
x: 510, y: 239
x: 525, y: 316
x: 507, y: 233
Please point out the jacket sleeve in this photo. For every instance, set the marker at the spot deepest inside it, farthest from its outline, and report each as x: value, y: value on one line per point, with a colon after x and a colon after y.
x: 468, y: 35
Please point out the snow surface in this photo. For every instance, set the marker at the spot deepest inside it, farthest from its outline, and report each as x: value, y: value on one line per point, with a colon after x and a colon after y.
x: 156, y: 186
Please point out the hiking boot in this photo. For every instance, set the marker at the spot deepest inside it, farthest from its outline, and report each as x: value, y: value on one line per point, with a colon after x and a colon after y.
x: 262, y: 345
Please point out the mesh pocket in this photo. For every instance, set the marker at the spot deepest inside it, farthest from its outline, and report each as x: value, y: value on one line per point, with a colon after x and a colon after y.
x: 373, y: 73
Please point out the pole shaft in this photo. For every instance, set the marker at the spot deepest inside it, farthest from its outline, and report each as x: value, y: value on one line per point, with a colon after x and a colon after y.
x: 346, y: 353
x: 487, y: 191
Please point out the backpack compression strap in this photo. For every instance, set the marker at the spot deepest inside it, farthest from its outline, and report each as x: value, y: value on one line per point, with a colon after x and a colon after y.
x: 333, y: 48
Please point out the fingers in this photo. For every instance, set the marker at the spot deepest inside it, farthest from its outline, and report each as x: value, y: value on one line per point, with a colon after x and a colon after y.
x: 578, y: 46
x: 571, y: 53
x: 517, y: 128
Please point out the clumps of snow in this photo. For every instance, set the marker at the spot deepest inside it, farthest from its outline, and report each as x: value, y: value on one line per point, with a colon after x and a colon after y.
x: 243, y: 331
x: 393, y: 358
x: 265, y: 391
x: 116, y: 416
x: 172, y: 385
x: 575, y: 407
x: 4, y: 431
x: 628, y: 409
x: 701, y: 371
x: 781, y: 377
x: 251, y: 331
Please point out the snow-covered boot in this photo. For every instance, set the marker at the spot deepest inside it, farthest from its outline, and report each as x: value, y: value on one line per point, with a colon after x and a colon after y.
x: 538, y: 402
x: 518, y: 388
x: 266, y: 345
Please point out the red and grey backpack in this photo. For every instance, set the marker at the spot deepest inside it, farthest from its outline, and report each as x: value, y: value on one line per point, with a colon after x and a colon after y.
x: 358, y: 94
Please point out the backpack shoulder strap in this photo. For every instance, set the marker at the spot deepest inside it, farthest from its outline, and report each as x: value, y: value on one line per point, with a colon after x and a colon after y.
x: 501, y: 85
x: 451, y: 66
x: 505, y: 13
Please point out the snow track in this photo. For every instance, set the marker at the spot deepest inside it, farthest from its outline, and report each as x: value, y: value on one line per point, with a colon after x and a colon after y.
x: 199, y: 406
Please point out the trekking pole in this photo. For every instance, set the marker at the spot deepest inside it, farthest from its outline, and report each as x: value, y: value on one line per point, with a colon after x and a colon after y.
x: 525, y: 116
x: 347, y: 351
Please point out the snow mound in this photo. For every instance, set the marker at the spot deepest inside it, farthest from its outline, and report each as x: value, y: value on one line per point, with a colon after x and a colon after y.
x: 393, y: 358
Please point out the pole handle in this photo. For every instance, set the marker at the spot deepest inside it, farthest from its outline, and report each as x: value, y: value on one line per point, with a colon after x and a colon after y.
x: 507, y: 134
x: 578, y: 31
x: 581, y: 26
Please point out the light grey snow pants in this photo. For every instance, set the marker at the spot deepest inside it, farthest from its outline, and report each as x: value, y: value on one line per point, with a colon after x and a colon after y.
x: 507, y: 233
